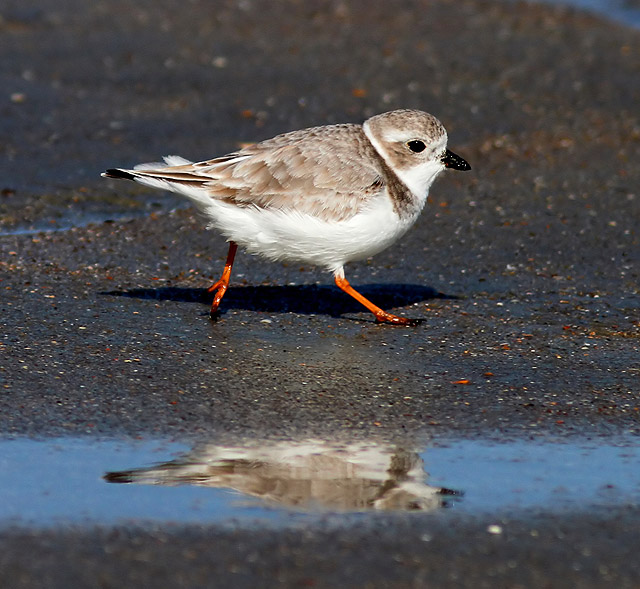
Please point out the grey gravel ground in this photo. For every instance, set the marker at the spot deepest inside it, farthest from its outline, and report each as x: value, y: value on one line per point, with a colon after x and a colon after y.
x: 526, y: 270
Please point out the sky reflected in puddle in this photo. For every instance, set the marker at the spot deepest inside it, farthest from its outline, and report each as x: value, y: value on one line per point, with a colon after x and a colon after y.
x: 623, y: 11
x: 73, y: 481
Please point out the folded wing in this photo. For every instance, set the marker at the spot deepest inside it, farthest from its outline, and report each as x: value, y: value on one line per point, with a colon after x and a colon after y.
x: 327, y: 172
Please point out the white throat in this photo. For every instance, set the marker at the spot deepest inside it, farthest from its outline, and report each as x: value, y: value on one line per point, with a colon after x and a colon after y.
x: 419, y: 178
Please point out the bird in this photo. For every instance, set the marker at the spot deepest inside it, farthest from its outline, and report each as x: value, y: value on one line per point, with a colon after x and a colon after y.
x: 325, y: 195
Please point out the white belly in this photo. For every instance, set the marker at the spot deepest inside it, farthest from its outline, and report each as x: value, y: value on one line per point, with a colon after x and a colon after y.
x: 287, y: 235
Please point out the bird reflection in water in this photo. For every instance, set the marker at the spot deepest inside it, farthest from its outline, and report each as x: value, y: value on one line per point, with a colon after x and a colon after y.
x: 304, y: 475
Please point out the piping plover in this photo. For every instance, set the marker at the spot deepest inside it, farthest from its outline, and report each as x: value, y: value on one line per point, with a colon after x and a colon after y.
x: 325, y: 195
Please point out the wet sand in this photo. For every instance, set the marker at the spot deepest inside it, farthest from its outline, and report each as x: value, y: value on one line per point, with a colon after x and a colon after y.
x: 526, y: 270
x: 543, y: 550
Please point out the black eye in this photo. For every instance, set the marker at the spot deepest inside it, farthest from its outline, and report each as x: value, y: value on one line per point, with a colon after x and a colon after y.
x: 416, y: 146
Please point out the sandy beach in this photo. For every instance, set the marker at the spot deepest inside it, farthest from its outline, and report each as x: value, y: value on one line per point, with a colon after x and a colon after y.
x: 525, y: 269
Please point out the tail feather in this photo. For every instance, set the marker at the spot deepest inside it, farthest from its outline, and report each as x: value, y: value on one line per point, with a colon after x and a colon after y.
x: 155, y: 169
x: 164, y: 177
x: 176, y: 174
x: 117, y: 173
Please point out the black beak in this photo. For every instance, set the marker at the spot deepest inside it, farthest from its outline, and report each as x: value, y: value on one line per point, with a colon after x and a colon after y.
x: 451, y: 160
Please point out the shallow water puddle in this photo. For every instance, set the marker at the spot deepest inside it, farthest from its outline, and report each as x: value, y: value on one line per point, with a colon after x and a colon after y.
x: 624, y: 11
x: 71, y: 481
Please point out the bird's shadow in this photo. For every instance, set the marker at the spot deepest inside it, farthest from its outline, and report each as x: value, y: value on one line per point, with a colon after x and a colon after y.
x: 304, y: 299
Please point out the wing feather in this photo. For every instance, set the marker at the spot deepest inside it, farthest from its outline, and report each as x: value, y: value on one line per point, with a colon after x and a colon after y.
x: 328, y: 172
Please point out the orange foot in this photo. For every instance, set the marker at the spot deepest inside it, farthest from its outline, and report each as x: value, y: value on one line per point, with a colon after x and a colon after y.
x: 380, y: 315
x: 220, y: 287
x: 395, y: 320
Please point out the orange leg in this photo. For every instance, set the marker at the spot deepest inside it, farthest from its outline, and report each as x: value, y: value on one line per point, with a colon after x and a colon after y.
x: 381, y: 316
x: 220, y: 287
